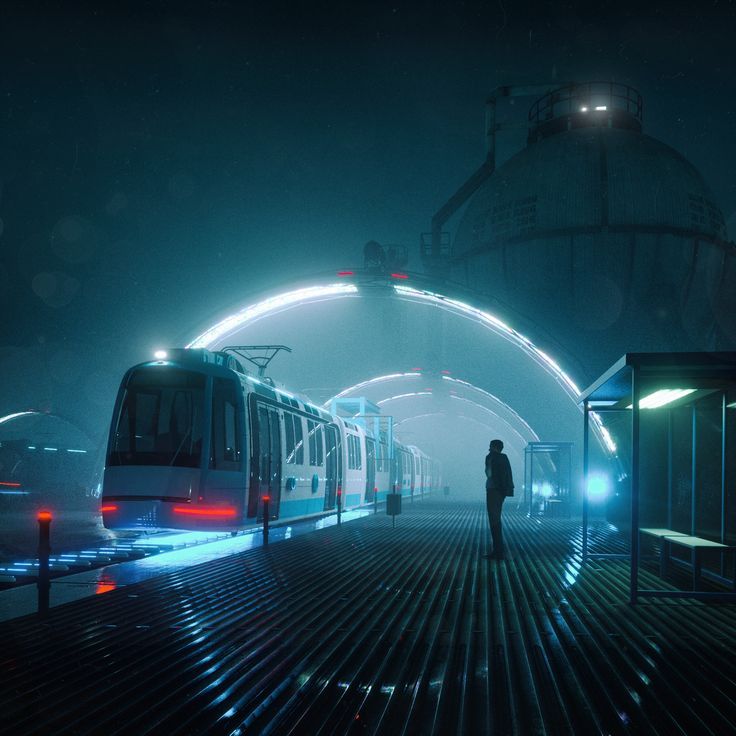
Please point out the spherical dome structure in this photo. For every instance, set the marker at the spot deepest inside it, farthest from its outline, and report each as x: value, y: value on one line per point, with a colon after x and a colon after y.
x: 608, y: 238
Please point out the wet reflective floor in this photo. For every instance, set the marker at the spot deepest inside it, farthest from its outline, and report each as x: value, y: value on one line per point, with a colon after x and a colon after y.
x: 366, y: 628
x: 71, y: 529
x: 162, y: 554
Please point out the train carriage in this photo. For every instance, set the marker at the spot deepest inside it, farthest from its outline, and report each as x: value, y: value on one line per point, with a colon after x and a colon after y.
x: 198, y: 443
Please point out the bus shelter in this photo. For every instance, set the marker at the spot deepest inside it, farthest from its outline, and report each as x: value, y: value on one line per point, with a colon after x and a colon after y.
x: 548, y: 476
x: 672, y: 417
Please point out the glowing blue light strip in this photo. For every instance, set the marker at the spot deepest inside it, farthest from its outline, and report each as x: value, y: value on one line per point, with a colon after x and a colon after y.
x: 403, y: 396
x: 275, y: 304
x: 465, y: 384
x: 414, y: 417
x: 8, y: 417
x: 498, y: 326
x: 269, y: 306
x: 535, y: 436
x: 516, y: 338
x: 493, y: 398
x: 371, y: 382
x: 605, y: 434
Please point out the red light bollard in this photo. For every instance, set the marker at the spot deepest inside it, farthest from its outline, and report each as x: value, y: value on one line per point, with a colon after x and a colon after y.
x: 44, y: 550
x: 266, y: 511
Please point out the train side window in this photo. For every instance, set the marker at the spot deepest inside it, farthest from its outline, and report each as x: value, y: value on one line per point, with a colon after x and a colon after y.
x: 225, y: 452
x: 298, y: 441
x: 290, y: 440
x: 319, y: 441
x: 311, y: 429
x: 355, y: 460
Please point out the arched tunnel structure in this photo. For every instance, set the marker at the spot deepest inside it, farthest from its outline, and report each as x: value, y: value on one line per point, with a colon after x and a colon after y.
x: 468, y: 374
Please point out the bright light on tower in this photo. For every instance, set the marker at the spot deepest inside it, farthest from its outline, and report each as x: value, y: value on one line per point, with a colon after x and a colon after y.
x: 160, y: 355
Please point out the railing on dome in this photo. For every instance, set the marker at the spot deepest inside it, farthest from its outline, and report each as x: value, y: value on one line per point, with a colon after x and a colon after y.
x: 589, y: 103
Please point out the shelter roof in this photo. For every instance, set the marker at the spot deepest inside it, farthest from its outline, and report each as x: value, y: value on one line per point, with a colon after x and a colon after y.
x: 615, y: 383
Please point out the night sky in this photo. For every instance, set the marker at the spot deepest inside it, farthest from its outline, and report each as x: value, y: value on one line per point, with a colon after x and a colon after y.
x: 162, y: 161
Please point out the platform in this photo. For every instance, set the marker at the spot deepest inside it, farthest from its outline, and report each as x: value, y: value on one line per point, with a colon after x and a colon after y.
x: 365, y: 628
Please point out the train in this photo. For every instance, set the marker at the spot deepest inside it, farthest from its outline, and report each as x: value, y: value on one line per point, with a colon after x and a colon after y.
x: 198, y: 442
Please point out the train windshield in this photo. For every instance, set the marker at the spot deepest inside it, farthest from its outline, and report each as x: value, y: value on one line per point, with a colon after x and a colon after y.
x: 160, y: 420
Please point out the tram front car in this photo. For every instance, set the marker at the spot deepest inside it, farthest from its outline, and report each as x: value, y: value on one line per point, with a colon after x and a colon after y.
x: 175, y: 456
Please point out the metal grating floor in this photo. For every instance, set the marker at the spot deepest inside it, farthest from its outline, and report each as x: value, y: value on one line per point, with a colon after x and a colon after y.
x: 368, y: 629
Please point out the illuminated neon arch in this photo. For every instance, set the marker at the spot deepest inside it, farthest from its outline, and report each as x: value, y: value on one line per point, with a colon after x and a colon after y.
x: 487, y: 410
x: 464, y: 417
x: 466, y: 385
x: 316, y: 293
x: 297, y: 297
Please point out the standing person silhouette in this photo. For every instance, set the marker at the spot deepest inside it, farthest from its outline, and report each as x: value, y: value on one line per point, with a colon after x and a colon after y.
x: 499, y: 484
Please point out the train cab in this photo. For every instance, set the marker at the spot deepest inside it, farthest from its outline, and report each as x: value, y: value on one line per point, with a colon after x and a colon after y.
x: 177, y: 448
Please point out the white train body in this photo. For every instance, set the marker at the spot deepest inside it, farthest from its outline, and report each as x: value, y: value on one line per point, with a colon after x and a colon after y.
x: 197, y: 443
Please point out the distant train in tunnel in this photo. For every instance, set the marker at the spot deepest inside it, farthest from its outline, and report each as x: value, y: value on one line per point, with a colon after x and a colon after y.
x: 197, y: 442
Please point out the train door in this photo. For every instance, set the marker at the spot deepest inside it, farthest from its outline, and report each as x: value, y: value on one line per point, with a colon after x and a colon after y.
x: 274, y: 485
x: 370, y: 468
x: 224, y: 478
x: 413, y: 470
x: 332, y: 462
x: 266, y: 465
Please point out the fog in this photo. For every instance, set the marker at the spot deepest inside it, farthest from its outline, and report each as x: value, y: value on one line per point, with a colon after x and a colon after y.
x: 164, y: 164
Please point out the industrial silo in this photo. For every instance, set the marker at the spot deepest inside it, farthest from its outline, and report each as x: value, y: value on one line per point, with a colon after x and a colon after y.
x: 607, y: 239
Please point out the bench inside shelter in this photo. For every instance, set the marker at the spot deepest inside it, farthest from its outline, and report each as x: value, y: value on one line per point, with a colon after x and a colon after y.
x: 696, y: 545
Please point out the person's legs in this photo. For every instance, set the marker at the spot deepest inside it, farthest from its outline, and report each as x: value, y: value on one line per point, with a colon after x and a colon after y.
x: 494, y: 504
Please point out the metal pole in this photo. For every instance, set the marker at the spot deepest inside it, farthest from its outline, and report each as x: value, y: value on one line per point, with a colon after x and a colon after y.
x: 586, y: 427
x: 266, y: 500
x: 669, y: 469
x: 339, y: 506
x: 723, y: 481
x: 375, y: 501
x: 531, y: 482
x: 635, y: 394
x: 44, y: 550
x: 693, y: 477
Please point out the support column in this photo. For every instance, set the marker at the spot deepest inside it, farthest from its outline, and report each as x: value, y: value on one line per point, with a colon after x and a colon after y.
x: 586, y: 428
x: 635, y: 398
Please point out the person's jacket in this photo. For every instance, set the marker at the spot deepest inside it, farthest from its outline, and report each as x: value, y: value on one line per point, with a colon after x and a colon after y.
x: 498, y: 473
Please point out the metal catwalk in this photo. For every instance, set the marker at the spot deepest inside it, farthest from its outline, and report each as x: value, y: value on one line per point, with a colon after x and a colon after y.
x: 365, y: 628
